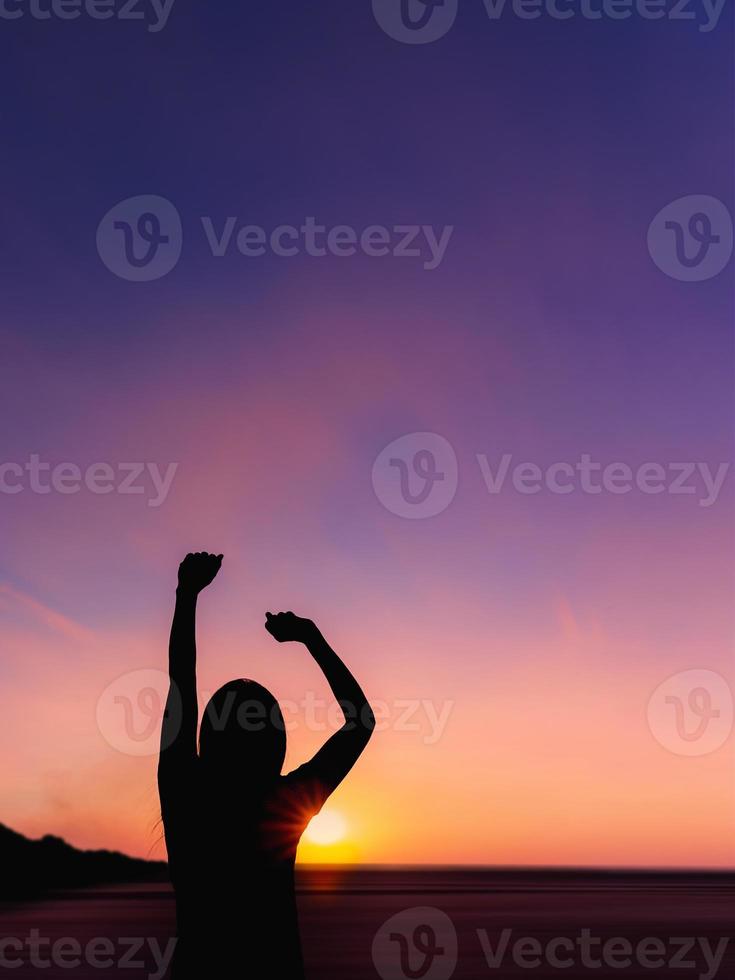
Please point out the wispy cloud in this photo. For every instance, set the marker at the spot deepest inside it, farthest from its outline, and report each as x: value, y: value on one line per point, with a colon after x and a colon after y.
x: 13, y: 599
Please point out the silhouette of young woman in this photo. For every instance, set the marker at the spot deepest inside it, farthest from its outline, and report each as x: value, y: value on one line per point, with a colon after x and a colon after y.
x: 232, y: 821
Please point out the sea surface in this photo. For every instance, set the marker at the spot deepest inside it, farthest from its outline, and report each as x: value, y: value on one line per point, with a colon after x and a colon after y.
x: 422, y: 924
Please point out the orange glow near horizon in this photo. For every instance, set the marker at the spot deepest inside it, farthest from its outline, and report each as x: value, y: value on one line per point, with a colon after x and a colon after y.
x: 510, y: 646
x: 558, y: 767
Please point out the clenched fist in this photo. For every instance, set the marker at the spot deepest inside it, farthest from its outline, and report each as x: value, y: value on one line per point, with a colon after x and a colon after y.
x: 284, y: 626
x: 198, y: 570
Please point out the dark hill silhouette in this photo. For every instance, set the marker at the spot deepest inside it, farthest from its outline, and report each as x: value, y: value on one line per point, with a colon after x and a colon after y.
x: 31, y: 867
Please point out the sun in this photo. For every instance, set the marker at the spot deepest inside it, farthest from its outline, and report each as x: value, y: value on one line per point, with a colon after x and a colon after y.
x: 327, y: 827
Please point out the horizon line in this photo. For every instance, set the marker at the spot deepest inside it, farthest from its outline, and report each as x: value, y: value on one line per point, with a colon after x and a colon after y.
x: 552, y: 868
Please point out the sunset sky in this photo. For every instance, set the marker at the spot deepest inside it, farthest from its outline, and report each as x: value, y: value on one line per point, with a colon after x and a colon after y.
x: 513, y: 640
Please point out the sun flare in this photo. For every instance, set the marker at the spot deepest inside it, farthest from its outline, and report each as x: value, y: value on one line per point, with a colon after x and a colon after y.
x: 326, y: 827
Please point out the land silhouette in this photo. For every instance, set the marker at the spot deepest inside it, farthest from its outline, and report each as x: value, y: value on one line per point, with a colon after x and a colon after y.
x: 30, y: 868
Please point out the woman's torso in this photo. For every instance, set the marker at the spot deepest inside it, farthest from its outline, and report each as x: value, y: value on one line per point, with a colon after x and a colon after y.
x: 231, y: 859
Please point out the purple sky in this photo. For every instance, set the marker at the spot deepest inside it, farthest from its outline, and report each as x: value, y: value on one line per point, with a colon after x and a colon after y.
x: 546, y: 332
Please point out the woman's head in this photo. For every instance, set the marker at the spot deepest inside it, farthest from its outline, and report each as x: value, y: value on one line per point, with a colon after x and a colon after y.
x: 243, y: 730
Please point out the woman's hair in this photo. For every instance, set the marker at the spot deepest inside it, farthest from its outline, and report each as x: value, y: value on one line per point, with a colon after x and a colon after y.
x: 243, y: 729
